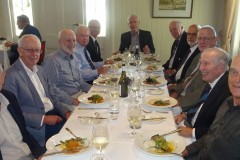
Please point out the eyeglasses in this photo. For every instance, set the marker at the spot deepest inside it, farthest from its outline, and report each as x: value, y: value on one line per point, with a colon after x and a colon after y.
x: 192, y: 34
x: 204, y: 38
x: 28, y: 50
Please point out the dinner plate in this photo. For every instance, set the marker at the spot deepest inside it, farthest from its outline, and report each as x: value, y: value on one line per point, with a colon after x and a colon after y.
x: 105, y: 80
x: 156, y: 91
x: 151, y: 99
x: 84, y: 99
x: 55, y: 140
x: 178, y: 141
x: 162, y: 81
x: 152, y: 68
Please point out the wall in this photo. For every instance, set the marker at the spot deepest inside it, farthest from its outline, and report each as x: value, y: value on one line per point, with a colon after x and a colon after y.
x: 52, y: 15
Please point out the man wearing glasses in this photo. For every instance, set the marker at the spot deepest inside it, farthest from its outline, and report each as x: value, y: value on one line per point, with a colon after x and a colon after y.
x: 44, y: 115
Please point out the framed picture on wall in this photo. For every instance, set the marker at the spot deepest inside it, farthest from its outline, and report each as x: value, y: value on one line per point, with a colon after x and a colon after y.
x: 172, y: 8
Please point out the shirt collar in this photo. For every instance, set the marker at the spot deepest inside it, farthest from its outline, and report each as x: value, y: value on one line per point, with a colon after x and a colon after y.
x: 193, y: 48
x: 215, y: 81
x: 29, y: 71
x: 232, y: 108
x: 94, y: 39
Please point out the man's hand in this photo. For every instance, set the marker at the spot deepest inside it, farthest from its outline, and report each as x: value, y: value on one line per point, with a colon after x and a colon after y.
x: 52, y: 119
x: 185, y: 153
x: 170, y: 72
x: 101, y: 70
x: 75, y: 102
x: 67, y: 115
x: 39, y: 158
x: 146, y: 49
x: 179, y: 118
x: 8, y: 44
x: 185, y: 131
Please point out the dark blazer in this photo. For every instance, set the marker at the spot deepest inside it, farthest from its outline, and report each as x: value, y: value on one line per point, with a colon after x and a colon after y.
x: 95, y: 53
x: 17, y: 115
x: 182, y: 49
x: 210, y: 107
x: 145, y: 38
x: 28, y: 29
x: 187, y: 64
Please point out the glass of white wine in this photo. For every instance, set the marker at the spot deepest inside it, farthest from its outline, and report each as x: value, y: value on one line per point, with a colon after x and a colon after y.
x: 114, y: 93
x: 100, y: 139
x: 134, y: 114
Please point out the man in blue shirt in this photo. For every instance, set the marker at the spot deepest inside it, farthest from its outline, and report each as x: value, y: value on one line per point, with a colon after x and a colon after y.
x: 88, y: 69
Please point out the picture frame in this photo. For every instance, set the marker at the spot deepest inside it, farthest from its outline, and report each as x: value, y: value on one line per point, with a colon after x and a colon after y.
x: 172, y: 8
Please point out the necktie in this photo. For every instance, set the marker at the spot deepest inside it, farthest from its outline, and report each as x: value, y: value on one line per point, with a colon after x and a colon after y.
x: 97, y: 46
x: 89, y: 60
x: 201, y: 100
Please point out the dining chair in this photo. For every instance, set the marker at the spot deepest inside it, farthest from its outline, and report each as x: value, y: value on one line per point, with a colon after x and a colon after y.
x: 43, y: 46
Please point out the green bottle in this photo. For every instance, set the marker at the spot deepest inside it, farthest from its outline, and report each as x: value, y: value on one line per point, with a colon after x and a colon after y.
x: 123, y: 85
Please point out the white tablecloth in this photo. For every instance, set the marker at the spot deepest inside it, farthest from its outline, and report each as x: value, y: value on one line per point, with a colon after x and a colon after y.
x: 121, y: 146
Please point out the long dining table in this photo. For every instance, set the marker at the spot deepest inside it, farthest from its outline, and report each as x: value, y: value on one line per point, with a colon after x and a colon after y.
x: 121, y: 146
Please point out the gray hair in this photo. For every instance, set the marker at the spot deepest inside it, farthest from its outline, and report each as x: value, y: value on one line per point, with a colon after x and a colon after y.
x: 21, y: 40
x: 23, y: 18
x: 211, y: 29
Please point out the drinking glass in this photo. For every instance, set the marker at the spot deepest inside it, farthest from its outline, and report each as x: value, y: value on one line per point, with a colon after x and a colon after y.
x: 114, y: 93
x: 134, y: 114
x: 100, y: 139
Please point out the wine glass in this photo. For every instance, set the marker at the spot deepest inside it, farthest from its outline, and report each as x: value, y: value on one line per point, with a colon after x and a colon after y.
x: 134, y: 114
x: 100, y: 139
x: 114, y: 93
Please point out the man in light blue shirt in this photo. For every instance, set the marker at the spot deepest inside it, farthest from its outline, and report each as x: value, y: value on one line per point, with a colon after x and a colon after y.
x: 88, y: 69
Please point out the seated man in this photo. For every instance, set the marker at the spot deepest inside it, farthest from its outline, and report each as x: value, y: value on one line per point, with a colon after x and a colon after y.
x: 15, y: 140
x: 88, y: 70
x: 222, y: 140
x: 62, y: 71
x: 136, y: 37
x: 213, y: 67
x: 179, y: 48
x: 44, y: 116
x: 93, y: 47
x: 24, y: 24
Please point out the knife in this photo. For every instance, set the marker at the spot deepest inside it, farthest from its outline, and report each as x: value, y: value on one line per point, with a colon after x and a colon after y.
x: 157, y: 118
x: 171, y: 132
x: 92, y: 117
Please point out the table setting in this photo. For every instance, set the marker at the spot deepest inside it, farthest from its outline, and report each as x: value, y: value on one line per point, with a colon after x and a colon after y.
x: 129, y: 122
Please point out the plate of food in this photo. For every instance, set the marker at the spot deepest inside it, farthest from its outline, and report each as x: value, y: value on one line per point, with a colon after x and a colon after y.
x: 153, y: 143
x: 157, y: 91
x: 153, y: 68
x: 67, y: 145
x: 105, y: 81
x: 154, y: 81
x: 158, y: 102
x: 94, y: 98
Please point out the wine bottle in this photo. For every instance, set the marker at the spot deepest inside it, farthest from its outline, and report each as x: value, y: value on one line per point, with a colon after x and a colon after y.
x: 123, y: 85
x: 136, y: 53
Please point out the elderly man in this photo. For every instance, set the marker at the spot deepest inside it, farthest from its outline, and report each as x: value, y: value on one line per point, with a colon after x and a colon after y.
x: 23, y: 23
x: 222, y: 140
x: 15, y: 140
x: 135, y: 37
x: 213, y: 67
x: 188, y: 91
x: 89, y: 70
x: 179, y: 48
x: 191, y: 54
x: 27, y: 81
x: 93, y: 47
x: 63, y: 73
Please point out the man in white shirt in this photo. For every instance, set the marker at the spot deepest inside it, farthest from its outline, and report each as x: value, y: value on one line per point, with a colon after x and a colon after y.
x: 43, y: 113
x: 15, y: 141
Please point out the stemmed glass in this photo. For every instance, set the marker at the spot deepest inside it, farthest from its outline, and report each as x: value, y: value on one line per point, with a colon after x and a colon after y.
x: 100, y: 139
x: 134, y: 114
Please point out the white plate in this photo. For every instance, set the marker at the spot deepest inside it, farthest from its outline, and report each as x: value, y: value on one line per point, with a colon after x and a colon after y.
x: 105, y: 80
x: 151, y: 99
x: 158, y: 68
x: 177, y: 140
x: 162, y: 81
x: 156, y: 91
x: 84, y: 99
x: 54, y: 140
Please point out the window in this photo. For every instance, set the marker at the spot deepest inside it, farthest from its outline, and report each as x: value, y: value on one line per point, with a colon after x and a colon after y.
x: 21, y: 7
x: 96, y: 9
